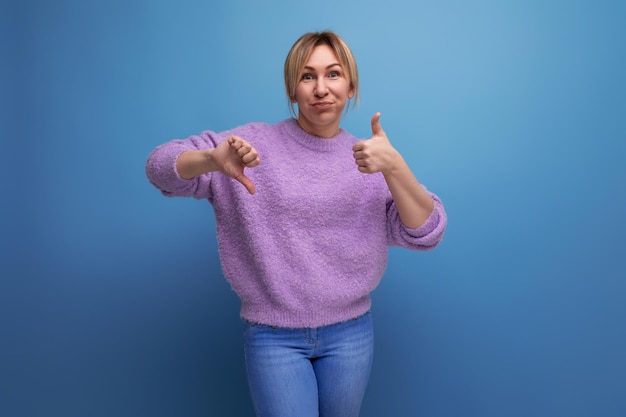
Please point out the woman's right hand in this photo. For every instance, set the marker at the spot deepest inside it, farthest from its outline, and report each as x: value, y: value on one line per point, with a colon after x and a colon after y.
x: 232, y: 156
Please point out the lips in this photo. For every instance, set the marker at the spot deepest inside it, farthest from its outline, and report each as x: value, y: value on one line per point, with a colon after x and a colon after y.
x: 322, y: 105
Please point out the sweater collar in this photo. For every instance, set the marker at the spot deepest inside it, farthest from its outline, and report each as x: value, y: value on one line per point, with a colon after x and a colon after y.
x: 313, y: 142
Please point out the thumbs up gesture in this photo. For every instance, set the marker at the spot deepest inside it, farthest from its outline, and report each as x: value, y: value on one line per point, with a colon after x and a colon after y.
x: 232, y: 156
x: 375, y: 154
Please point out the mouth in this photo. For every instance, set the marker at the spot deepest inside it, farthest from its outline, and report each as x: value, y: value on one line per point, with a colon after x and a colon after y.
x: 322, y: 105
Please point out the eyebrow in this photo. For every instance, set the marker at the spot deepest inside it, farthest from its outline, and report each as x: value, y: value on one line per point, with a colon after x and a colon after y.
x: 336, y: 64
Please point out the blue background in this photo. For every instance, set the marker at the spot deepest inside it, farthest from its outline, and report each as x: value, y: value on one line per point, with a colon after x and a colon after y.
x: 112, y: 298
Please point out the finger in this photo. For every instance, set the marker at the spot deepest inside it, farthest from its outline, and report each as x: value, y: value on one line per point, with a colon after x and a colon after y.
x: 238, y: 143
x: 232, y: 141
x: 376, y: 127
x: 244, y: 149
x: 364, y: 170
x: 357, y: 146
x: 248, y: 154
x: 251, y: 160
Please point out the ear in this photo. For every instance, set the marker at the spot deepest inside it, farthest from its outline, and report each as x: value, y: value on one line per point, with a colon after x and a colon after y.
x: 351, y: 92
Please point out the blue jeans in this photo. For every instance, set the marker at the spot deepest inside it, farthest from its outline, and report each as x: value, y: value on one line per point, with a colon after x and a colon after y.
x: 309, y: 372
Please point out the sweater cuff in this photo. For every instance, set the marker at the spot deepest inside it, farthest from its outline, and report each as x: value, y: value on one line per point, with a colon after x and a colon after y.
x: 162, y: 173
x: 428, y: 227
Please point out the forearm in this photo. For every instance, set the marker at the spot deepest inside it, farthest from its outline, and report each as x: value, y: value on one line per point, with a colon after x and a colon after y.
x: 413, y: 203
x: 193, y: 163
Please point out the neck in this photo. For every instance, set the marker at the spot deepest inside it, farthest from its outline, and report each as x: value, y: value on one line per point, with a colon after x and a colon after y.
x: 327, y: 133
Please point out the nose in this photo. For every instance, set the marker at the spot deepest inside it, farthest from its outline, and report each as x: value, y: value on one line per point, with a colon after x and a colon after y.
x: 320, y: 88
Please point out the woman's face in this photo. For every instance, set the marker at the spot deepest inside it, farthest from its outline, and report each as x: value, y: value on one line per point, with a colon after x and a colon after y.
x: 322, y: 93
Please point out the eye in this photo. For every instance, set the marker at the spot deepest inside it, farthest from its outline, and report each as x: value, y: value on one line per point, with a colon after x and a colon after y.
x: 334, y: 74
x: 307, y: 77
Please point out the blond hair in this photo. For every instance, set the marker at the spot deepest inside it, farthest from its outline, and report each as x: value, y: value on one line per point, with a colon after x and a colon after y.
x: 300, y: 53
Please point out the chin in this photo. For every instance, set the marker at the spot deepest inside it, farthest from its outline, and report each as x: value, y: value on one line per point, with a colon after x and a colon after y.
x: 327, y: 117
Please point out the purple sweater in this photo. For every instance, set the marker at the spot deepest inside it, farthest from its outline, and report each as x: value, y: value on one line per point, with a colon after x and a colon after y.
x: 308, y: 248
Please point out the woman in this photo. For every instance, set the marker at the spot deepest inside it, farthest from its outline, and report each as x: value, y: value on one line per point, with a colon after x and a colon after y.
x: 303, y: 236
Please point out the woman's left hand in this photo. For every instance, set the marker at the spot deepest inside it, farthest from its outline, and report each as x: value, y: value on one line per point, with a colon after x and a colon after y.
x: 375, y: 154
x: 414, y: 204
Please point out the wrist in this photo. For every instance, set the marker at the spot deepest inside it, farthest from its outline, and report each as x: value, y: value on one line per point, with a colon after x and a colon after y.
x: 395, y: 164
x: 208, y: 160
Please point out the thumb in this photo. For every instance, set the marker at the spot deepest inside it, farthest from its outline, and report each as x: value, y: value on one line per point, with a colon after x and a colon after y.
x: 247, y: 182
x: 377, y: 129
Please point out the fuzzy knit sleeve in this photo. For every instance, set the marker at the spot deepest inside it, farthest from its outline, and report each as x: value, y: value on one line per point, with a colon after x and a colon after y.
x: 424, y: 237
x: 161, y: 167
